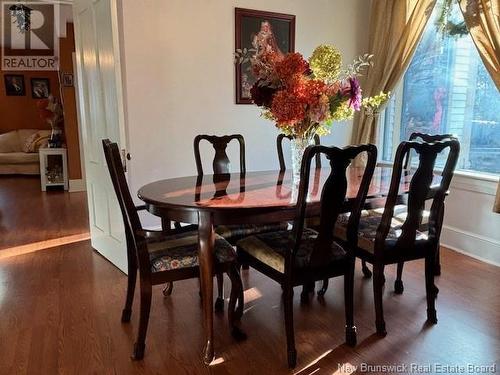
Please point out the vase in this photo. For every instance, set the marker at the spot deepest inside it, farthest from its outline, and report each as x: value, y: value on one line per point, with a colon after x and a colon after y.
x: 299, y: 145
x: 55, y: 140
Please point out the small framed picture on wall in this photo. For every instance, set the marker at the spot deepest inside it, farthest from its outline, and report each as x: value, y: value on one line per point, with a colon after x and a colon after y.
x: 40, y: 88
x: 67, y: 80
x: 258, y: 31
x: 14, y: 85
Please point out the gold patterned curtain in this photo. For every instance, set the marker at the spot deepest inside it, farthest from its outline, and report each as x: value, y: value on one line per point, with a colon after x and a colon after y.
x: 482, y: 18
x: 395, y: 30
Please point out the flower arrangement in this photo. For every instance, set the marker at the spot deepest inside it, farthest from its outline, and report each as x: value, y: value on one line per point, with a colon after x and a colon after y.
x: 50, y: 110
x: 304, y: 97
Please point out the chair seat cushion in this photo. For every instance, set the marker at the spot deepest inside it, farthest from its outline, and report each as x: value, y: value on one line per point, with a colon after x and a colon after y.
x: 181, y: 251
x: 270, y: 248
x: 236, y: 232
x: 367, y: 230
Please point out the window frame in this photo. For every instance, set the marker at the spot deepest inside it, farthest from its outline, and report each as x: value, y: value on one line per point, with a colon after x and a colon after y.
x: 466, y: 174
x: 398, y: 97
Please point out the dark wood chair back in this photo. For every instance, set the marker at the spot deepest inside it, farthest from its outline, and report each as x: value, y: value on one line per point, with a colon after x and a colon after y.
x: 221, y: 163
x: 333, y: 197
x: 420, y: 187
x: 279, y: 147
x: 425, y: 138
x: 130, y: 216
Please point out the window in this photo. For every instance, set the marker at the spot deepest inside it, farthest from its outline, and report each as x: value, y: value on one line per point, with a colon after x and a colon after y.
x: 447, y: 89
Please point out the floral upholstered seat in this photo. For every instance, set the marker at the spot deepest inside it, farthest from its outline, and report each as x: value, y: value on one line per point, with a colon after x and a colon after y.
x: 233, y: 233
x: 367, y: 230
x: 269, y: 248
x: 181, y: 251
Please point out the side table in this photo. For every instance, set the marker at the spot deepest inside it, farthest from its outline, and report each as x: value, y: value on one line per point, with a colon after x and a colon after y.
x: 53, y: 167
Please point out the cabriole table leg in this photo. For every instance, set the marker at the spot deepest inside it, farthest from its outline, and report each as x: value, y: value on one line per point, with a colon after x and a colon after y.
x: 206, y: 259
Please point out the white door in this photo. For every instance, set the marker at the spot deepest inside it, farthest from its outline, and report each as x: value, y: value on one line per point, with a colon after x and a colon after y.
x: 101, y: 113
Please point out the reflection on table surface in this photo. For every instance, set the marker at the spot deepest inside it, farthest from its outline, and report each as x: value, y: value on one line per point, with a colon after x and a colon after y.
x: 259, y: 189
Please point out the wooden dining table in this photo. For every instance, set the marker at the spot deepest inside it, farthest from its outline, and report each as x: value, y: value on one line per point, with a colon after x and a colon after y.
x: 250, y: 198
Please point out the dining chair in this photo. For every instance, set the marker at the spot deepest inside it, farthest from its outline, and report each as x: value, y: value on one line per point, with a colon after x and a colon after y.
x: 163, y: 257
x: 303, y: 256
x: 310, y: 222
x: 424, y: 137
x: 401, y: 212
x: 384, y: 240
x: 221, y: 167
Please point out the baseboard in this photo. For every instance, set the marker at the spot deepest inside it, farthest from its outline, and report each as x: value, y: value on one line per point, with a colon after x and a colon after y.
x: 482, y: 248
x: 77, y: 185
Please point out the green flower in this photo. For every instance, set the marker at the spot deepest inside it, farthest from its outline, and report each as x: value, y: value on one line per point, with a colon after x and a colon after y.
x: 326, y: 62
x: 342, y: 112
x: 323, y: 129
x: 373, y: 104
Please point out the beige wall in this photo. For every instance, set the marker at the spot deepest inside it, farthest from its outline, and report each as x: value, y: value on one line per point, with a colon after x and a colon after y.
x: 179, y: 76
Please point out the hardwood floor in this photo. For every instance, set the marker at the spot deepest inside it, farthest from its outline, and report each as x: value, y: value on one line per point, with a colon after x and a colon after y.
x: 60, y: 313
x: 30, y: 219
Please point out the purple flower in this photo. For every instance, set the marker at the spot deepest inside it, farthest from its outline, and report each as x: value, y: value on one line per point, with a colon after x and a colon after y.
x: 353, y: 92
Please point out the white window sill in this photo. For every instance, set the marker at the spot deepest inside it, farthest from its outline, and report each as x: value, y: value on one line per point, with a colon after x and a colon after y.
x: 478, y: 175
x: 484, y: 183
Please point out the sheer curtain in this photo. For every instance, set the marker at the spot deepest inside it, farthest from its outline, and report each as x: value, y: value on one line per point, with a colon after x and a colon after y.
x: 395, y: 30
x: 483, y: 21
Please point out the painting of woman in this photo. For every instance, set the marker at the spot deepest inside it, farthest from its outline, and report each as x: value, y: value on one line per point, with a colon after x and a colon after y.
x: 258, y: 32
x: 264, y: 40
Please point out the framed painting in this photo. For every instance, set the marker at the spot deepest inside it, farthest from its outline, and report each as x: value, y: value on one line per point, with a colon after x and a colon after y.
x: 14, y: 85
x: 67, y: 79
x: 40, y: 88
x: 257, y: 31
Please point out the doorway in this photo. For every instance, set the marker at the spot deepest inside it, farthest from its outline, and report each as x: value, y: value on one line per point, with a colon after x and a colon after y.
x: 39, y: 108
x: 87, y: 87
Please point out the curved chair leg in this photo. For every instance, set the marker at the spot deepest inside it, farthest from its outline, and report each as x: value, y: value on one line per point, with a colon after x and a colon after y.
x: 437, y: 266
x: 290, y: 336
x: 169, y: 287
x: 378, y: 283
x: 140, y: 344
x: 398, y: 284
x: 324, y: 288
x: 430, y: 289
x: 306, y: 290
x: 241, y: 303
x: 219, y: 302
x: 233, y: 313
x: 366, y: 271
x: 350, y: 328
x: 131, y: 281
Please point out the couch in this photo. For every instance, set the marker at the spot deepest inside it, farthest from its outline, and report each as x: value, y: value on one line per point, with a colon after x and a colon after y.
x: 19, y: 151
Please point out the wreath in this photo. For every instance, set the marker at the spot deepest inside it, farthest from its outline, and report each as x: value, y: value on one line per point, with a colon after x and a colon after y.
x: 447, y: 26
